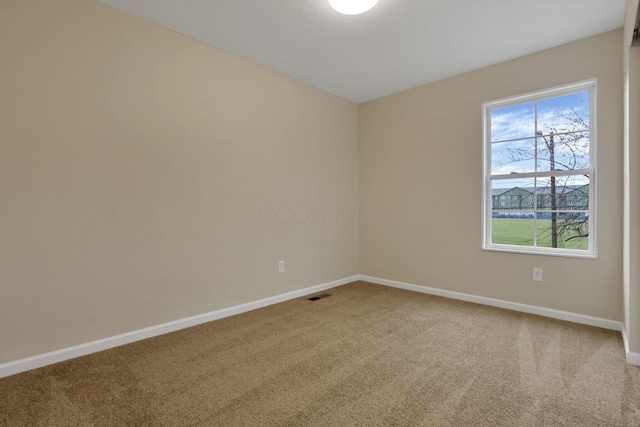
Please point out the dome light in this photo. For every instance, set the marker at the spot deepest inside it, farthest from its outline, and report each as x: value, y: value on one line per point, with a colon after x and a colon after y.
x: 352, y: 7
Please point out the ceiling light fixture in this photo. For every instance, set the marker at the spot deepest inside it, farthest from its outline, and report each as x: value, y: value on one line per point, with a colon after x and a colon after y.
x: 352, y: 7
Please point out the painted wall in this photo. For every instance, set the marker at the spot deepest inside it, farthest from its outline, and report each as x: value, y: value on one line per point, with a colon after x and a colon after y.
x: 632, y: 184
x: 421, y: 169
x: 146, y: 177
x: 634, y: 160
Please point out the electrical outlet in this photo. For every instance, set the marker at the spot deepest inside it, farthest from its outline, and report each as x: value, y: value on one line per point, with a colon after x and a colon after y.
x: 537, y: 275
x: 280, y: 267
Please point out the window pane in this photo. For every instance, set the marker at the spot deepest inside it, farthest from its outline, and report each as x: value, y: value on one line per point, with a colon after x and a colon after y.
x: 564, y: 151
x: 544, y: 135
x: 512, y: 197
x: 512, y: 211
x: 568, y: 230
x: 512, y: 231
x: 567, y: 113
x: 563, y: 193
x: 513, y: 157
x: 513, y: 122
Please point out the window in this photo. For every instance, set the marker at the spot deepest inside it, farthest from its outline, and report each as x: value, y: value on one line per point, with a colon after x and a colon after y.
x: 539, y: 172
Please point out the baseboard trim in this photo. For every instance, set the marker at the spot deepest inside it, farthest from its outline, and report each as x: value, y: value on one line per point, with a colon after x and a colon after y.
x: 38, y: 361
x: 524, y: 308
x: 625, y: 340
x: 633, y: 358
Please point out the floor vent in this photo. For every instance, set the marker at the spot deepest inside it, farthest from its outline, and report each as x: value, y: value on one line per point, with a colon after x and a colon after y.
x: 317, y: 297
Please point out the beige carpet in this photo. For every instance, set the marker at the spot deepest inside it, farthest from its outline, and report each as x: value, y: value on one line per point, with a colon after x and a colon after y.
x: 366, y: 355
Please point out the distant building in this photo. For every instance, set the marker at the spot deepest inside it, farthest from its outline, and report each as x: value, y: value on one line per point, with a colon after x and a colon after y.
x: 519, y: 202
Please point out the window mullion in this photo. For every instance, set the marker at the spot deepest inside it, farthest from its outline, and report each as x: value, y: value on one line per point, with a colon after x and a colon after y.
x: 545, y: 174
x: 535, y: 180
x: 519, y: 203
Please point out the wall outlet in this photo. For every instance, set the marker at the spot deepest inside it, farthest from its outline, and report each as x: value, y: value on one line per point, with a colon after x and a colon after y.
x: 537, y: 275
x: 280, y: 267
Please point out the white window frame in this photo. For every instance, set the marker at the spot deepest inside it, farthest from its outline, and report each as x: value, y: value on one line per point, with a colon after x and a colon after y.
x: 583, y: 86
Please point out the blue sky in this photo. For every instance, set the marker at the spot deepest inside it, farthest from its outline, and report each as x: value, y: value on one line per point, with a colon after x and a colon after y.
x: 513, y: 131
x: 519, y: 121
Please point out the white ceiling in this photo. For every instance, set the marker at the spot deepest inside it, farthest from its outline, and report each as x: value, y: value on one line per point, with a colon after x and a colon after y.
x: 397, y: 45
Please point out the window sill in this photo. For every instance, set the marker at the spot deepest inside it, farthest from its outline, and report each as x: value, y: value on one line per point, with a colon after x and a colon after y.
x: 568, y: 253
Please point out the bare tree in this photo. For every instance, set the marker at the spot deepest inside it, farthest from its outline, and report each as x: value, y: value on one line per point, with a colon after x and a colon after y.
x: 561, y: 144
x: 551, y: 149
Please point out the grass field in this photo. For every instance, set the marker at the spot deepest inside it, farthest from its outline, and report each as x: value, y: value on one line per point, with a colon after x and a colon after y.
x: 519, y: 231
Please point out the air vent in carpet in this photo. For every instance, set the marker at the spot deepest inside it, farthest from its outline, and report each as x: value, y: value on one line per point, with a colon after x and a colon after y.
x: 317, y: 297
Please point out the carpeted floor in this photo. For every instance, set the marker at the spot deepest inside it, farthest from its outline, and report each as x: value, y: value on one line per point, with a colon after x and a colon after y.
x: 367, y: 355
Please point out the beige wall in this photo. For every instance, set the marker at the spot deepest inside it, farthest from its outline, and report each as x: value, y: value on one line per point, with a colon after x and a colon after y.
x: 632, y: 181
x: 140, y: 172
x: 421, y: 164
x: 633, y: 299
x: 146, y: 177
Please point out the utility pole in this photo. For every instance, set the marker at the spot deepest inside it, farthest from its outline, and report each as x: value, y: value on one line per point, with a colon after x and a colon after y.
x: 550, y: 143
x: 554, y: 205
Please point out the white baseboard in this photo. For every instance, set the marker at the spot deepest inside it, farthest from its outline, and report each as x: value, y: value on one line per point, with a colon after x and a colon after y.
x: 625, y: 340
x: 633, y: 358
x: 38, y: 361
x: 531, y: 309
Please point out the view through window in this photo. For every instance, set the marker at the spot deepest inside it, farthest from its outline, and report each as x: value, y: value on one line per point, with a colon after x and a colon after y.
x: 539, y: 172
